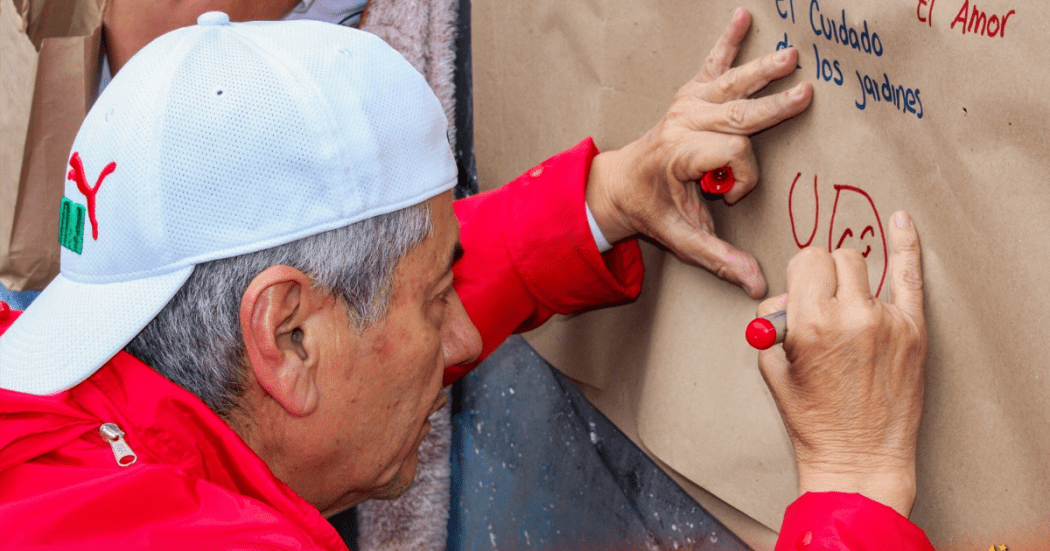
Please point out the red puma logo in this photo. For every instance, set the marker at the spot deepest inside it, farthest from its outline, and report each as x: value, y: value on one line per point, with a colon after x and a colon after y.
x: 77, y: 175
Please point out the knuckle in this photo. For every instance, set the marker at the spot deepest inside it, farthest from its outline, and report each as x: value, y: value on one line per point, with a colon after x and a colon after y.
x: 769, y: 63
x: 748, y: 267
x: 766, y: 307
x: 707, y: 74
x: 682, y: 109
x: 916, y: 344
x: 922, y: 344
x: 811, y: 334
x: 726, y: 84
x: 711, y: 61
x: 862, y: 319
x: 910, y: 279
x: 739, y: 146
x: 911, y: 340
x: 737, y: 114
x: 810, y: 255
x: 778, y: 108
x: 850, y: 260
x: 676, y: 116
x: 683, y: 94
x: 907, y: 246
x: 804, y: 260
x: 715, y: 63
x: 848, y: 255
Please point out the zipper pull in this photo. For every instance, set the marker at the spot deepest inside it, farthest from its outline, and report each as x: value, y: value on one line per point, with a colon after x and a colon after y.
x: 113, y: 436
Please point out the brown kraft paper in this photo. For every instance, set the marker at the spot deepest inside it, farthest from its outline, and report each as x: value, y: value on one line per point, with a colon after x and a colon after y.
x: 937, y: 107
x: 50, y: 69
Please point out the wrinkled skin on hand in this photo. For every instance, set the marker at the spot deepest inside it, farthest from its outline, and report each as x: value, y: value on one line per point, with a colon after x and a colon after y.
x: 849, y: 379
x: 649, y: 186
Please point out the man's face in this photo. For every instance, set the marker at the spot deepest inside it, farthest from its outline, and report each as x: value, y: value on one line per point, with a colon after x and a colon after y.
x: 379, y: 386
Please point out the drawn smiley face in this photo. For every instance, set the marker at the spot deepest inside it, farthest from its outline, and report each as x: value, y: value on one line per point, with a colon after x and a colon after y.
x: 859, y: 227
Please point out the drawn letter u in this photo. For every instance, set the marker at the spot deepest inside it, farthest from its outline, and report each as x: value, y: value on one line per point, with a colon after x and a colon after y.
x: 816, y: 212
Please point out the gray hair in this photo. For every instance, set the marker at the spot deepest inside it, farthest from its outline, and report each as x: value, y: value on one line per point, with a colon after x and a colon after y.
x: 196, y: 340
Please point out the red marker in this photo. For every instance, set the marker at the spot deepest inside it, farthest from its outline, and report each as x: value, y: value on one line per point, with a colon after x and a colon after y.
x: 715, y: 183
x: 766, y: 331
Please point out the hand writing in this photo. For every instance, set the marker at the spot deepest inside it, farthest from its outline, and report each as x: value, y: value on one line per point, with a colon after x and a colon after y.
x: 849, y: 379
x: 649, y: 186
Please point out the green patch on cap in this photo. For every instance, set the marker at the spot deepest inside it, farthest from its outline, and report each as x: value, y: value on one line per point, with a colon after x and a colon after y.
x: 71, y: 225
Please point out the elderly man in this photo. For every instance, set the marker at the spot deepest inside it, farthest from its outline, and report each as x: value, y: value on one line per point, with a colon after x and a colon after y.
x: 259, y: 215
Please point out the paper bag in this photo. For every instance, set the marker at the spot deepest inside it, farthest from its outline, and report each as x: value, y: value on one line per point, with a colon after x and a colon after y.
x: 937, y: 107
x: 50, y: 52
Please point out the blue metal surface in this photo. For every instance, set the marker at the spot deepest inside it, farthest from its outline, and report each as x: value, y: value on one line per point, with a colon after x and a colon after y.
x: 17, y: 300
x: 536, y: 466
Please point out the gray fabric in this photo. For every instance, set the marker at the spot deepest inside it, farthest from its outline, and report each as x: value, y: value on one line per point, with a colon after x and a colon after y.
x: 536, y: 466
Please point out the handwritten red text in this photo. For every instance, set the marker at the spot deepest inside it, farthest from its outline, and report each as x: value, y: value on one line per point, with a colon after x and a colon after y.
x: 924, y: 11
x: 860, y: 231
x: 976, y: 21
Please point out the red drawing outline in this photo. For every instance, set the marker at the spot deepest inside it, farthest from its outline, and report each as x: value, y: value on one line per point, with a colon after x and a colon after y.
x: 834, y: 210
x: 816, y: 215
x: 849, y: 233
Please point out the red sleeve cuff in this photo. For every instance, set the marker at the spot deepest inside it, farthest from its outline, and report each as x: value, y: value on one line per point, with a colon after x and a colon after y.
x: 552, y: 247
x: 529, y: 253
x: 840, y: 521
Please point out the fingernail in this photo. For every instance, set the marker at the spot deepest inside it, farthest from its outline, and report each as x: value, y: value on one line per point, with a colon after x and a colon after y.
x: 903, y: 220
x: 784, y: 56
x: 798, y: 91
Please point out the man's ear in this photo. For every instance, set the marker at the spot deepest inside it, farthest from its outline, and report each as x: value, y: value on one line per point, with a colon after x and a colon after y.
x: 275, y: 309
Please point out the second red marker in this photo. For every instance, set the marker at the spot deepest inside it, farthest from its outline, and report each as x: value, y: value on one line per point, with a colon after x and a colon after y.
x: 717, y: 182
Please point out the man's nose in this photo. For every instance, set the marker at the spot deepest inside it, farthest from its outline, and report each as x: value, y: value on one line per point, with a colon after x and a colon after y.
x: 461, y: 341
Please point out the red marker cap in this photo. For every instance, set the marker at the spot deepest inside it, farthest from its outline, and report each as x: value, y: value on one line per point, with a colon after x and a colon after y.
x: 761, y: 333
x: 719, y: 180
x: 716, y: 182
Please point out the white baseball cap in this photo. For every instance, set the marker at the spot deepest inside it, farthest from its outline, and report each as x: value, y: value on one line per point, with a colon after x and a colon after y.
x: 213, y: 141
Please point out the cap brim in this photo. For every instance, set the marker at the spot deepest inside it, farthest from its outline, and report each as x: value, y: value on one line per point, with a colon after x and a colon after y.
x: 73, y: 328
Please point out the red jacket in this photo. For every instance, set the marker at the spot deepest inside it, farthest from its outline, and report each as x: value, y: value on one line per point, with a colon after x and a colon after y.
x: 196, y: 484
